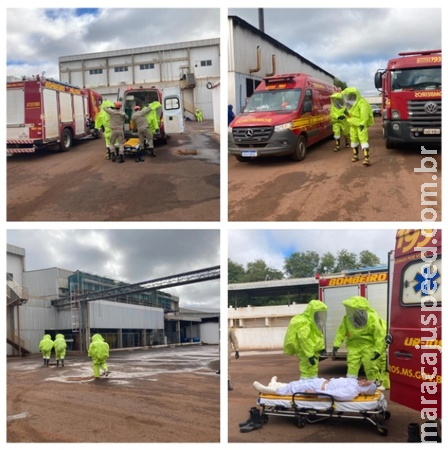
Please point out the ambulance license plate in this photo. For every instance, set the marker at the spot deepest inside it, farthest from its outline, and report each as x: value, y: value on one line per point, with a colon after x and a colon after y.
x: 249, y: 153
x: 431, y: 131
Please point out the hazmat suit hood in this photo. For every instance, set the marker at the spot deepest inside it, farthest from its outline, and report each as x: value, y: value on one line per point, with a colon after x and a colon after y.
x: 357, y: 309
x: 317, y: 311
x: 106, y: 104
x: 337, y: 101
x: 59, y: 336
x: 351, y: 96
x: 97, y: 338
x: 47, y: 336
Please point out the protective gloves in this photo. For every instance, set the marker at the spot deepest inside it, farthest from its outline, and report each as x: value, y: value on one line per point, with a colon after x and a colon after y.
x: 323, y: 352
x: 312, y: 360
x: 361, y: 127
x: 342, y: 117
x: 237, y: 355
x: 335, y: 350
x: 376, y: 355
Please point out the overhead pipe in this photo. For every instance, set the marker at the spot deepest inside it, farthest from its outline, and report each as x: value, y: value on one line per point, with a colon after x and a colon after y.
x: 274, y: 69
x: 257, y: 69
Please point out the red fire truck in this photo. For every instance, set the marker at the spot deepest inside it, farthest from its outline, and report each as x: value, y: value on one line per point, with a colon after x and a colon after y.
x: 284, y: 115
x: 415, y: 324
x: 370, y: 283
x: 43, y: 112
x: 411, y: 89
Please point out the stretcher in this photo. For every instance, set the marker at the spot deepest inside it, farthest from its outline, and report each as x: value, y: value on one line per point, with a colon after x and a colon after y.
x: 131, y: 146
x: 310, y: 408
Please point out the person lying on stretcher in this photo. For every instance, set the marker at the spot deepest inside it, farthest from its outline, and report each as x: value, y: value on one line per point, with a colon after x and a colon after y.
x: 341, y: 389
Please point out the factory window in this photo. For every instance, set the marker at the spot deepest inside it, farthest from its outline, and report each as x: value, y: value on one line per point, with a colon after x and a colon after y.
x: 121, y: 69
x: 96, y: 71
x: 146, y: 66
x: 207, y: 62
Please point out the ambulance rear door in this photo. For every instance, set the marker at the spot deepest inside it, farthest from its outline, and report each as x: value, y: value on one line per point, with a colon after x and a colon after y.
x: 173, y: 111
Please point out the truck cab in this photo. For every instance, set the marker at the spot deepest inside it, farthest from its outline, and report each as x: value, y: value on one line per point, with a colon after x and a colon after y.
x: 415, y: 325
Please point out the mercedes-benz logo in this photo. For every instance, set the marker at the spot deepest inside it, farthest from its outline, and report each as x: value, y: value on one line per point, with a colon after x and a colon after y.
x: 431, y: 107
x: 249, y: 133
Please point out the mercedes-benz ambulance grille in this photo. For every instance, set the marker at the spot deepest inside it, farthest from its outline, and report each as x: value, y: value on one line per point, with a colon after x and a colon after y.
x: 251, y: 136
x: 425, y: 112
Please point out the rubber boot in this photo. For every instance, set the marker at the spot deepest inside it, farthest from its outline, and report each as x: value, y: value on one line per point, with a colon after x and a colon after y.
x: 251, y: 414
x: 229, y: 386
x: 57, y: 363
x: 45, y: 361
x: 140, y: 155
x: 107, y: 153
x: 152, y: 152
x: 137, y: 159
x: 255, y: 423
x: 62, y: 362
x: 338, y: 145
x: 114, y: 156
x: 366, y: 161
x: 347, y: 142
x: 355, y: 154
x: 121, y: 160
x: 48, y: 361
x: 414, y: 432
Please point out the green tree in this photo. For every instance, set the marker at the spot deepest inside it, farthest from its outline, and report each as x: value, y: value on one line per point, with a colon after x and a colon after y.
x: 327, y: 263
x: 236, y: 272
x: 259, y: 271
x: 301, y: 264
x: 368, y: 259
x: 346, y: 260
x: 340, y: 84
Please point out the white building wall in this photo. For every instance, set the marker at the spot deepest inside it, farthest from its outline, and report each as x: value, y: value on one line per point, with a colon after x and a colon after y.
x: 209, y: 332
x: 104, y: 314
x: 250, y: 56
x: 15, y: 262
x: 262, y: 327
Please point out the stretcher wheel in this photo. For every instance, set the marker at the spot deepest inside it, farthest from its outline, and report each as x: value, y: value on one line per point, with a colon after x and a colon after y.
x: 382, y: 430
x: 386, y: 415
x: 265, y: 419
x: 300, y: 422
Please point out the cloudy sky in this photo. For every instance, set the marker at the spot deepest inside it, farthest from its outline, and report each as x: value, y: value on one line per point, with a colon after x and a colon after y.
x: 51, y: 33
x: 351, y: 44
x: 272, y: 246
x: 131, y: 256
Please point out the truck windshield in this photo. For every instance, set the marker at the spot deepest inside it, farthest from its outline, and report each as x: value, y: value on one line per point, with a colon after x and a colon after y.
x: 417, y: 79
x: 278, y: 100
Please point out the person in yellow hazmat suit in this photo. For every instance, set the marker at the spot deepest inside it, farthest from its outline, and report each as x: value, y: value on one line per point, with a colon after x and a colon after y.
x: 339, y: 122
x: 45, y: 347
x: 60, y: 348
x: 363, y: 333
x: 304, y: 338
x: 153, y: 119
x: 99, y: 352
x: 360, y: 117
x: 102, y: 120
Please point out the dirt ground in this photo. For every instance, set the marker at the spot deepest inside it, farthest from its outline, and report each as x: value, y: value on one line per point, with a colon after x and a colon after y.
x: 181, y: 184
x: 154, y: 395
x: 327, y: 186
x: 262, y: 366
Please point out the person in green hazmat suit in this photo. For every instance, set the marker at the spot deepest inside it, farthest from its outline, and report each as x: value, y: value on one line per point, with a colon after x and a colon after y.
x: 102, y: 120
x: 153, y: 119
x: 363, y: 333
x: 45, y: 346
x: 198, y: 114
x: 60, y: 347
x: 304, y: 338
x: 382, y: 360
x: 340, y: 124
x: 99, y: 352
x: 360, y: 117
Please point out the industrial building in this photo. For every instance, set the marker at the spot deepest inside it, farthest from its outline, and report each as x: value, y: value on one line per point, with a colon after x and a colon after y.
x: 79, y: 304
x: 193, y: 66
x: 254, y: 55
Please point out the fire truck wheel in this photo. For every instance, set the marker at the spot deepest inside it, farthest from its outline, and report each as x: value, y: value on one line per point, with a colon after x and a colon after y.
x: 66, y: 140
x: 300, y: 151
